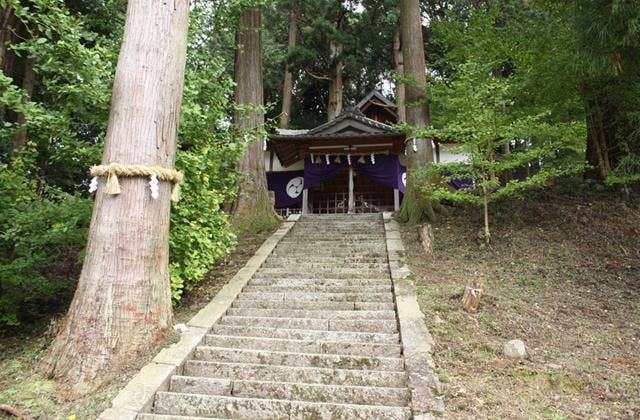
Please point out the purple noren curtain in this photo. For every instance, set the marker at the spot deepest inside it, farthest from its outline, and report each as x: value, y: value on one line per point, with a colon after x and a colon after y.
x: 317, y: 173
x: 287, y: 187
x: 386, y: 171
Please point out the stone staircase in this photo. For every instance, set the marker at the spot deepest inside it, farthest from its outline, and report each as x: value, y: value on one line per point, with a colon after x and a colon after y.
x: 314, y: 334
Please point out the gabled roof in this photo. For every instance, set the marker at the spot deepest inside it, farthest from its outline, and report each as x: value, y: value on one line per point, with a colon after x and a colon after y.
x: 350, y: 132
x: 376, y: 106
x: 375, y: 96
x: 350, y: 122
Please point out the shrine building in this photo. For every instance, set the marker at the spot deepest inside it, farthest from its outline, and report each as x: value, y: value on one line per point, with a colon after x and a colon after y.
x: 353, y: 164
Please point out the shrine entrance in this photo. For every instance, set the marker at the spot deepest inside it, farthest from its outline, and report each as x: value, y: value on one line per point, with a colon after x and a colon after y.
x: 332, y: 196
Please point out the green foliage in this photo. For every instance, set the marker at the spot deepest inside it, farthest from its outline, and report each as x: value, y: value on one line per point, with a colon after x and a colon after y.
x: 40, y: 242
x: 208, y: 153
x: 627, y: 172
x: 67, y: 113
x: 366, y: 63
x: 480, y: 108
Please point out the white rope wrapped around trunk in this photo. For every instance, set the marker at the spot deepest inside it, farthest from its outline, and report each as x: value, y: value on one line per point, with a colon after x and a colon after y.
x: 113, y: 170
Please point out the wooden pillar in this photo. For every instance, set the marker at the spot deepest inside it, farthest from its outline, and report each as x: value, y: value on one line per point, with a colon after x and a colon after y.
x: 305, y: 201
x: 352, y: 200
x: 396, y: 199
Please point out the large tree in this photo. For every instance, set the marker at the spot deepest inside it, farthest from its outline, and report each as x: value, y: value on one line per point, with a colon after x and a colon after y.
x: 122, y: 306
x: 253, y: 206
x: 416, y: 206
x: 287, y: 85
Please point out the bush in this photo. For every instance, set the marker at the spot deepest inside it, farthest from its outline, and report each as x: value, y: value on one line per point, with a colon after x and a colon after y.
x: 200, y: 231
x: 207, y: 154
x: 40, y: 243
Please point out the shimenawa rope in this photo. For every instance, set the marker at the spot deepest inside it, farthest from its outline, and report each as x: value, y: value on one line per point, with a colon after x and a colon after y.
x: 113, y: 170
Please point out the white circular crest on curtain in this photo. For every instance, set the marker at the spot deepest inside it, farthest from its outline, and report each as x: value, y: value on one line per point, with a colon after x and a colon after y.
x: 295, y: 187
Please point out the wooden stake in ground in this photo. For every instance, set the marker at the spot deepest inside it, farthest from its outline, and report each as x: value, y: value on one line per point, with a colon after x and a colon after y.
x: 253, y: 207
x: 472, y: 296
x: 122, y: 305
x: 425, y: 232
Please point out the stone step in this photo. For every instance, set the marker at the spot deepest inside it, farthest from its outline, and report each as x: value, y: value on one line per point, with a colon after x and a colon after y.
x: 323, y: 360
x: 311, y: 265
x: 260, y: 408
x: 311, y: 252
x: 386, y: 326
x: 297, y: 374
x: 313, y: 232
x: 307, y: 305
x: 322, y: 393
x: 301, y: 334
x: 290, y: 391
x: 148, y: 416
x: 200, y: 385
x: 315, y: 274
x: 304, y: 346
x: 338, y: 237
x: 319, y: 313
x: 324, y: 253
x: 378, y: 251
x: 341, y: 218
x: 354, y: 245
x: 318, y: 296
x: 318, y: 289
x: 326, y: 259
x: 304, y: 282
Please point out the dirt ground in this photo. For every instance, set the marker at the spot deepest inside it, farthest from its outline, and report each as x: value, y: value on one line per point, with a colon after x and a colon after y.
x: 563, y: 275
x: 35, y: 397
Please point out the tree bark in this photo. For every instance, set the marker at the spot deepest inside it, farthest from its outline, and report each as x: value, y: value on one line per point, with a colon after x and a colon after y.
x: 416, y: 208
x: 7, y: 20
x: 253, y: 206
x: 19, y: 138
x: 400, y: 88
x: 600, y: 138
x: 287, y: 86
x: 334, y: 107
x: 7, y: 37
x: 122, y: 306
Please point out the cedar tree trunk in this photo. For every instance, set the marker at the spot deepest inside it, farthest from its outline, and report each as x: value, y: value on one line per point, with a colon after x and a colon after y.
x: 122, y: 306
x: 334, y: 107
x: 19, y: 138
x: 253, y: 206
x: 600, y: 138
x: 10, y: 30
x: 7, y: 20
x: 287, y: 86
x: 400, y: 89
x: 416, y: 208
